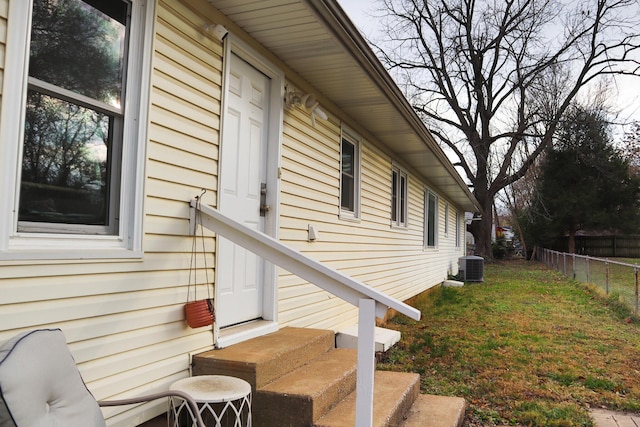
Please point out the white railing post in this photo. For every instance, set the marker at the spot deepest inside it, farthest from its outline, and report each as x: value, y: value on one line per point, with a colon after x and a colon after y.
x: 366, y: 362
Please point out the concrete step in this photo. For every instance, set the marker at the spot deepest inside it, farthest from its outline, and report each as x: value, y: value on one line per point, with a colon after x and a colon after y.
x: 307, y: 393
x: 393, y: 394
x: 264, y: 359
x: 436, y: 411
x: 300, y: 379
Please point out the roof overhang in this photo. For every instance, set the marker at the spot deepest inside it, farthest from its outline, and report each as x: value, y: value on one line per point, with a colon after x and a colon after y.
x: 318, y: 42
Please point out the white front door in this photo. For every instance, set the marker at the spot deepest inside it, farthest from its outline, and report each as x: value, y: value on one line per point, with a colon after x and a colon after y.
x: 243, y: 175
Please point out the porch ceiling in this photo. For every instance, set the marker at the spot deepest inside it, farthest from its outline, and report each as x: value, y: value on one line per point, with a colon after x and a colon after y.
x: 319, y: 42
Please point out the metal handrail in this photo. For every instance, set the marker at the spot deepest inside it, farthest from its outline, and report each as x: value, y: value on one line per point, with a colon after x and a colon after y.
x: 371, y: 303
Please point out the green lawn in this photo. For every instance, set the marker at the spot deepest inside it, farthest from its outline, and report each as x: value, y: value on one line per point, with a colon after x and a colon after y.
x: 622, y: 281
x: 527, y: 346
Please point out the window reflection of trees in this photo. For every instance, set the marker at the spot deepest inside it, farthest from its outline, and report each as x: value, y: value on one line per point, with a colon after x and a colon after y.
x: 73, y: 115
x: 78, y: 47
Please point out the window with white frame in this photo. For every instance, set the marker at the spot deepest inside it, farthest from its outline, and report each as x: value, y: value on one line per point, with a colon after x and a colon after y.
x: 349, y: 175
x: 430, y: 219
x: 399, y: 192
x: 446, y: 219
x: 458, y: 230
x: 74, y: 152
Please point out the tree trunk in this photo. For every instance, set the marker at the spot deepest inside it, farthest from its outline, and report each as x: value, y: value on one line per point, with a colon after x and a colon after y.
x: 481, y: 228
x: 481, y: 231
x: 572, y: 241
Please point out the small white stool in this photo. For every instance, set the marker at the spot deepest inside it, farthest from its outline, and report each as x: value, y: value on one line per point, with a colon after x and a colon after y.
x: 215, y: 395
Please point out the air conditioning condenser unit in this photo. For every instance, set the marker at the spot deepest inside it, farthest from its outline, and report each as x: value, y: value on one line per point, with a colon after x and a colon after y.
x: 471, y: 268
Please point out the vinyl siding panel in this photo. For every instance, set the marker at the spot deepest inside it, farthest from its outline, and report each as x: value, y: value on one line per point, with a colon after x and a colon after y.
x: 4, y: 12
x: 182, y: 159
x: 393, y: 260
x: 124, y: 320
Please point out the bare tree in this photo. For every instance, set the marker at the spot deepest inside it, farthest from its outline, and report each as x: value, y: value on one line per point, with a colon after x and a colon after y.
x: 517, y: 197
x: 492, y: 78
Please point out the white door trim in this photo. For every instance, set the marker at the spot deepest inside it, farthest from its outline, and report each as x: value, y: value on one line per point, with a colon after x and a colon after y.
x: 274, y: 147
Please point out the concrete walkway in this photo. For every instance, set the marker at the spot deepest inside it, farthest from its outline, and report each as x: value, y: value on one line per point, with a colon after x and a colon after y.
x: 605, y: 418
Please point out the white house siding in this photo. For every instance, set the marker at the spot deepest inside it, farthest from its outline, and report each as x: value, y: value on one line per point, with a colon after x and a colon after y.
x: 447, y: 245
x: 124, y: 319
x: 392, y: 260
x: 446, y: 253
x: 4, y: 11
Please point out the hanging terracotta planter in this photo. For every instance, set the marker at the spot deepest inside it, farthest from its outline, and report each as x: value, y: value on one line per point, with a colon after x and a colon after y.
x: 199, y: 313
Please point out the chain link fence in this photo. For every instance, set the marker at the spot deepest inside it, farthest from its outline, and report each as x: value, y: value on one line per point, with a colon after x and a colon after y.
x: 614, y: 277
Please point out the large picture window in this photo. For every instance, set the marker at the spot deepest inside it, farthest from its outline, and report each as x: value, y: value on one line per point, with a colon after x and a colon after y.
x: 73, y: 120
x: 80, y: 72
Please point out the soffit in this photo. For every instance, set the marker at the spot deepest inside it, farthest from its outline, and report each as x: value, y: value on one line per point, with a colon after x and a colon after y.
x: 317, y: 41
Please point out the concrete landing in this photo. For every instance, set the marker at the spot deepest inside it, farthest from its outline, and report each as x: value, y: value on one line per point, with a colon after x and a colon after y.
x: 385, y: 338
x: 436, y: 411
x: 264, y: 359
x: 452, y: 284
x: 606, y: 418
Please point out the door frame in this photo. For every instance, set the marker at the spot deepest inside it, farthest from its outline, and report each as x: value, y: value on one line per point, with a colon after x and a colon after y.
x: 233, y: 44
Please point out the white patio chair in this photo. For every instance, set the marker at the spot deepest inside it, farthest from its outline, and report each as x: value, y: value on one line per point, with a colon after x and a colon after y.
x: 40, y: 385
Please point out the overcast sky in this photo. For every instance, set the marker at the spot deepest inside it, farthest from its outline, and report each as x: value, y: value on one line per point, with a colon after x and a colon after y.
x: 357, y: 11
x: 628, y: 98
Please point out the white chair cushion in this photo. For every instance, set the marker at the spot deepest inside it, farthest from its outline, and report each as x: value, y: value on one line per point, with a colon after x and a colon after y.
x: 40, y: 385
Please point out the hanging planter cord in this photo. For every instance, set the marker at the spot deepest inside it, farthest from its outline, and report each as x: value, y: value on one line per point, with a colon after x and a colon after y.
x: 198, y: 313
